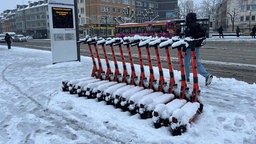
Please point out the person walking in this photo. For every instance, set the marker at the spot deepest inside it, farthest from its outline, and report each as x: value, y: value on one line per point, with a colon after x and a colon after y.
x: 237, y: 31
x: 253, y: 32
x: 195, y: 31
x: 220, y: 31
x: 8, y: 40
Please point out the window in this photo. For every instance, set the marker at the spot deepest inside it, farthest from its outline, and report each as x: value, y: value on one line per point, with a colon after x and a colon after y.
x: 126, y: 2
x: 83, y: 20
x: 247, y: 18
x: 253, y: 18
x: 253, y: 7
x: 114, y: 10
x: 248, y: 7
x: 242, y: 8
x: 113, y: 1
x: 82, y: 10
x: 138, y: 3
x: 105, y: 9
x: 81, y: 1
x: 133, y: 2
x: 151, y: 5
x: 241, y: 18
x: 145, y: 4
x: 119, y: 1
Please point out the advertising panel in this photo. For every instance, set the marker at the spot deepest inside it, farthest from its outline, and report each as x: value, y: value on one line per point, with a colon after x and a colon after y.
x: 63, y: 30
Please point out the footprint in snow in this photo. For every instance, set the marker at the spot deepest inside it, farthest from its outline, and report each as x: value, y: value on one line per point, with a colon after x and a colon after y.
x: 221, y: 119
x: 239, y: 122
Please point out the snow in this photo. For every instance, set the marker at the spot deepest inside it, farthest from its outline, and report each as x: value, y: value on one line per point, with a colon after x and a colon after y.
x: 88, y: 87
x: 166, y: 43
x: 119, y: 91
x: 107, y: 92
x: 172, y: 106
x: 155, y: 42
x: 144, y: 43
x: 160, y: 100
x: 101, y: 42
x: 179, y: 43
x: 113, y: 40
x: 135, y: 98
x: 126, y: 95
x: 94, y: 88
x: 81, y: 83
x: 35, y: 110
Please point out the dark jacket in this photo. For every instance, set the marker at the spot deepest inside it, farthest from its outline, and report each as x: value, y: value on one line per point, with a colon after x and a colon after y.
x: 237, y: 30
x: 8, y: 38
x: 254, y: 30
x: 220, y: 30
x: 194, y: 30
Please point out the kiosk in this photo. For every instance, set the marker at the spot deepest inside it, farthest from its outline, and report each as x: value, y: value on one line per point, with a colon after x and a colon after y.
x: 63, y: 30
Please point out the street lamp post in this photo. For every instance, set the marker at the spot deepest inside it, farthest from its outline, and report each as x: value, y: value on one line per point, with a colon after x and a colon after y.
x: 106, y: 26
x: 77, y: 31
x: 106, y: 21
x: 250, y: 15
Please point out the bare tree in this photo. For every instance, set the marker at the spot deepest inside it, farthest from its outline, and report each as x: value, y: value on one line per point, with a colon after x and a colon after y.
x: 233, y: 12
x: 186, y: 6
x: 209, y: 7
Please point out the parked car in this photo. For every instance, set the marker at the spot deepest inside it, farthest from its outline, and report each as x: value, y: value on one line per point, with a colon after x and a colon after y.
x: 19, y: 38
x: 2, y: 36
x: 29, y: 37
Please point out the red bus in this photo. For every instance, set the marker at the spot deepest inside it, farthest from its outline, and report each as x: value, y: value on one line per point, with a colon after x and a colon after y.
x: 156, y: 28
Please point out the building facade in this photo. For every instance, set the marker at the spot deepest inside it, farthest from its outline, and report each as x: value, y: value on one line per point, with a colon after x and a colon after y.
x: 7, y: 21
x: 247, y: 15
x: 243, y: 12
x: 81, y: 12
x: 107, y: 11
x: 167, y: 9
x: 33, y: 18
x: 146, y: 10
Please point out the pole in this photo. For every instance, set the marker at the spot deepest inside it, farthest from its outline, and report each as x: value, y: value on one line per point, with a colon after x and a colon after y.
x: 77, y: 31
x: 106, y: 26
x: 250, y: 21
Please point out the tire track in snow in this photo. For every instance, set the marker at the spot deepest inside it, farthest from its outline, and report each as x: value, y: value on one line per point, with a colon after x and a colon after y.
x: 16, y: 87
x: 51, y: 116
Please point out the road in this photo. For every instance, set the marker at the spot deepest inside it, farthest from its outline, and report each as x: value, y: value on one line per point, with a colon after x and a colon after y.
x: 228, y: 59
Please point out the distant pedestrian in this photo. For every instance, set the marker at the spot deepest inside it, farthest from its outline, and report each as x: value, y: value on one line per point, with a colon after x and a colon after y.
x: 220, y: 31
x: 253, y: 32
x: 237, y: 31
x: 8, y: 40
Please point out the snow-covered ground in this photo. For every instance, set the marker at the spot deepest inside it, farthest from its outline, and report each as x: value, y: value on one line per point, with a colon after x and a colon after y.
x: 231, y: 38
x: 34, y: 110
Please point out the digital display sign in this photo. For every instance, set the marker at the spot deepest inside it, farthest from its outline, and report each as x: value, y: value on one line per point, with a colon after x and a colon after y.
x: 62, y: 17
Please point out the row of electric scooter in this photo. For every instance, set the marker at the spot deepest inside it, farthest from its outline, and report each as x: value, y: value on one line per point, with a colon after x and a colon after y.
x: 150, y: 97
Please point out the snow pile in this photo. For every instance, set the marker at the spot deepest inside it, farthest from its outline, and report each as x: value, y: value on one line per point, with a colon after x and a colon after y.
x: 35, y: 110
